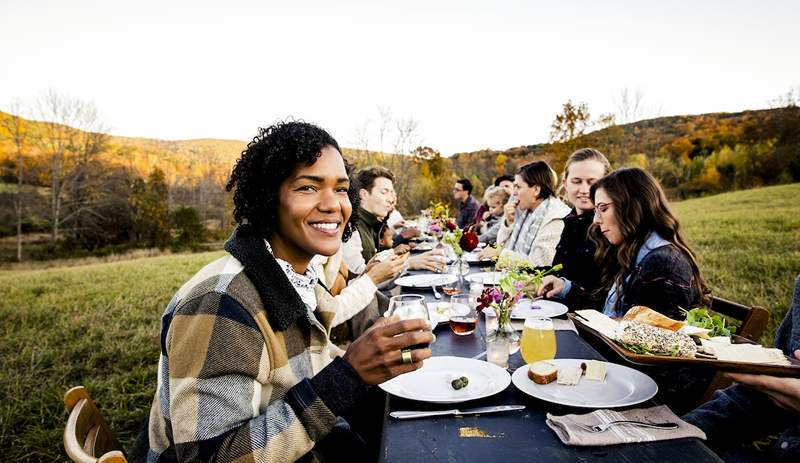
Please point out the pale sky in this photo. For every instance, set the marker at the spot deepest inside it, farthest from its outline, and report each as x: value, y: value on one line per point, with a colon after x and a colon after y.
x: 474, y: 74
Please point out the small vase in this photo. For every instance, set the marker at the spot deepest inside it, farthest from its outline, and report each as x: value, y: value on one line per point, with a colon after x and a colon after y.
x: 502, y: 329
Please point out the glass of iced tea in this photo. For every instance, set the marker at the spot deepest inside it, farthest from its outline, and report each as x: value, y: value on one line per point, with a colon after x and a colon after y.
x: 538, y: 340
x: 407, y: 307
x: 463, y: 318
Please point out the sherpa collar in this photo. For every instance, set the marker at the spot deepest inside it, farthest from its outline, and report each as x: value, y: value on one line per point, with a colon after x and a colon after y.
x: 282, y: 303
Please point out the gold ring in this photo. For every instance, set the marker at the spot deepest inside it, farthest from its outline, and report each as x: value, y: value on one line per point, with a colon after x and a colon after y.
x: 406, y: 354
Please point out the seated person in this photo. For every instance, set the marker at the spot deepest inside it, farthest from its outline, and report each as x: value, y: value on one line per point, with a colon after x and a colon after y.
x: 757, y: 407
x: 247, y: 371
x: 506, y: 182
x: 643, y: 257
x: 467, y: 204
x: 533, y: 235
x: 377, y: 199
x: 575, y: 251
x: 495, y: 198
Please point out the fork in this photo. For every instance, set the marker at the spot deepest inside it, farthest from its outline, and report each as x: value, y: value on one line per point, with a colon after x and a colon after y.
x: 436, y: 294
x: 645, y: 424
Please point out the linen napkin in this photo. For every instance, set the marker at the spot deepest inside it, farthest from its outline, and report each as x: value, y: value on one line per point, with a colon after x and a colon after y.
x: 558, y: 325
x: 569, y: 430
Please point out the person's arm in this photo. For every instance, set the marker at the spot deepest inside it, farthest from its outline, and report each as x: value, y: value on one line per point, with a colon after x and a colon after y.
x: 490, y: 236
x: 351, y: 250
x: 353, y: 299
x: 504, y: 231
x: 219, y: 372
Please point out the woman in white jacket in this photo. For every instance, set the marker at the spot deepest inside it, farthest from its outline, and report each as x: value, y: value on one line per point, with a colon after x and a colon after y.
x: 532, y: 230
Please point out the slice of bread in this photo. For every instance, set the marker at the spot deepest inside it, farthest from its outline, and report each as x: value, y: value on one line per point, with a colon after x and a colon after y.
x: 648, y: 316
x: 542, y: 372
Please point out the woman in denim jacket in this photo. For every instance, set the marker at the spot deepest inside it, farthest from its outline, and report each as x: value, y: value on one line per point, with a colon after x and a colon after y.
x: 757, y: 407
x: 643, y: 257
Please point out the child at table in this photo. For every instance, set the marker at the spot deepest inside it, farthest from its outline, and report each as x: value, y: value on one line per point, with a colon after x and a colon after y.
x: 757, y: 407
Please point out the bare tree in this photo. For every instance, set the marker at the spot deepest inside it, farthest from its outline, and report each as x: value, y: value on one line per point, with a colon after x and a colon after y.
x: 788, y: 100
x: 361, y: 136
x: 18, y: 132
x: 72, y: 135
x: 629, y: 104
x: 406, y: 134
x: 385, y: 118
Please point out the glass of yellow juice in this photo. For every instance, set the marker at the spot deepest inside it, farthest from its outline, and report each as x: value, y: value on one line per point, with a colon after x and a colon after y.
x: 538, y: 340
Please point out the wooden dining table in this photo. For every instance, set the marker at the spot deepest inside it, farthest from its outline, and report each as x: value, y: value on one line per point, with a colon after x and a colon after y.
x: 512, y: 436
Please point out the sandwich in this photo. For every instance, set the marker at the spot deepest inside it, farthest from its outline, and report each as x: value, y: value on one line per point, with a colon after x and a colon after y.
x: 648, y: 316
x: 647, y: 339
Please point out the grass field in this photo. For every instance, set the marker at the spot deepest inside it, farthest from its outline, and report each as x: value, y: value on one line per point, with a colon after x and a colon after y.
x: 98, y: 324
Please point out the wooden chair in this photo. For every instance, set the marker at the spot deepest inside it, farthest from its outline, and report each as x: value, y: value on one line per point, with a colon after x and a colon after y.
x: 754, y: 321
x: 87, y: 436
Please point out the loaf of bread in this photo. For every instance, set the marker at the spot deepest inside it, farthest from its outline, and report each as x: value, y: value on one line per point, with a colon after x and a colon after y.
x: 542, y: 372
x: 648, y: 316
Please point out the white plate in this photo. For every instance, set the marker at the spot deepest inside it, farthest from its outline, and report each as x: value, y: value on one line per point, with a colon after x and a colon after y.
x: 623, y: 386
x: 487, y: 278
x: 431, y: 383
x: 472, y: 258
x: 423, y: 246
x: 546, y: 309
x: 425, y: 280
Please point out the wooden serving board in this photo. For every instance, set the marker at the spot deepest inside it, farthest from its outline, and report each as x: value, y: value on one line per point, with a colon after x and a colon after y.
x: 633, y: 358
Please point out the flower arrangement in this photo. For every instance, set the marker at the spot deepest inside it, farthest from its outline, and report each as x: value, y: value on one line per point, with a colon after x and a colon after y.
x: 439, y: 214
x: 519, y: 282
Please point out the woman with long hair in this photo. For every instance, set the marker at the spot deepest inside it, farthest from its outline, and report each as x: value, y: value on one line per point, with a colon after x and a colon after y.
x: 645, y: 259
x: 533, y: 235
x: 575, y: 251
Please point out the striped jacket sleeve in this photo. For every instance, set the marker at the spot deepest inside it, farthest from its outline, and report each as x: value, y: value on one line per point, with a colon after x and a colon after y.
x: 219, y: 367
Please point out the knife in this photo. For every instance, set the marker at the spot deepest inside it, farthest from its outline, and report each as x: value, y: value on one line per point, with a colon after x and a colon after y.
x: 407, y: 415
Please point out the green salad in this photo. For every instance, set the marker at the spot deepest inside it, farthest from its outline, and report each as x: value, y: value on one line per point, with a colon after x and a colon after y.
x: 702, y: 318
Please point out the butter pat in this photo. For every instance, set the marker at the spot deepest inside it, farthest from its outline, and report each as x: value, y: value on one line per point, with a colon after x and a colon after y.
x: 569, y: 376
x: 596, y: 370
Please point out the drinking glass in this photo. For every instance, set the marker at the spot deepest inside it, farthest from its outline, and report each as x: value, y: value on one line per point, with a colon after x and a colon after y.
x: 538, y: 340
x: 497, y: 351
x: 408, y: 307
x: 463, y: 318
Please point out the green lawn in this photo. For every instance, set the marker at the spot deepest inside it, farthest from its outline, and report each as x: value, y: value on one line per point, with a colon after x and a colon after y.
x: 98, y: 324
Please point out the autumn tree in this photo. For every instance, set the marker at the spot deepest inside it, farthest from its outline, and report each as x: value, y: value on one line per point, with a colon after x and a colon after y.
x: 149, y: 199
x: 572, y: 122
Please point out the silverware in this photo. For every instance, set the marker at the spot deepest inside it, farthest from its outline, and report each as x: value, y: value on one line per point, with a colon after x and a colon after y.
x: 436, y: 294
x: 644, y: 424
x: 407, y: 415
x: 482, y: 354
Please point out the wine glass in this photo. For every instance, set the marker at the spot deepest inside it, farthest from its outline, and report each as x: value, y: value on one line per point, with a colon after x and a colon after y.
x: 463, y: 318
x: 408, y: 307
x: 538, y: 340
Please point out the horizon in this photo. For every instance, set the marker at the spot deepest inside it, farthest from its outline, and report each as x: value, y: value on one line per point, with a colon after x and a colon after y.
x: 472, y: 76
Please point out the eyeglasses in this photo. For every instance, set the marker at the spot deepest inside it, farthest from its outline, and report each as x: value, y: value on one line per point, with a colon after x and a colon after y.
x: 601, y: 208
x: 458, y: 189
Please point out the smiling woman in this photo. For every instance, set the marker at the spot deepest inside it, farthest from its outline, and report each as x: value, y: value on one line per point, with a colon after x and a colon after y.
x: 247, y: 369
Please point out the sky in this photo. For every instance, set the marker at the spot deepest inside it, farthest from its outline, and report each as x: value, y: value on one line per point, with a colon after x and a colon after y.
x: 472, y: 74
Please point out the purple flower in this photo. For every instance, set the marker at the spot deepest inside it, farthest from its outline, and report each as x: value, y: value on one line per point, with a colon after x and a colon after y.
x: 495, y: 294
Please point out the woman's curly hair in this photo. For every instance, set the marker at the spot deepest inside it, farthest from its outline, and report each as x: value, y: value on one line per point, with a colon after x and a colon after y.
x: 268, y: 160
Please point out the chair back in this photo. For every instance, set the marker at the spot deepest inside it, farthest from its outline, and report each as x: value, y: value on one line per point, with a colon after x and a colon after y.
x: 87, y: 436
x: 754, y: 321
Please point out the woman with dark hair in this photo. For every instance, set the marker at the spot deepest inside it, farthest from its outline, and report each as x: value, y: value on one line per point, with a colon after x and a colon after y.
x: 533, y: 235
x: 247, y: 370
x: 575, y: 251
x: 645, y: 260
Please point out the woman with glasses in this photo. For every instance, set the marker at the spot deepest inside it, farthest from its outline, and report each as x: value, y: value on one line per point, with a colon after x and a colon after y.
x: 533, y: 234
x: 643, y: 257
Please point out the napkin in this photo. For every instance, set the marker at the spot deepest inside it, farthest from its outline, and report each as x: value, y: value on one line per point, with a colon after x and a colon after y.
x: 568, y: 428
x: 558, y: 325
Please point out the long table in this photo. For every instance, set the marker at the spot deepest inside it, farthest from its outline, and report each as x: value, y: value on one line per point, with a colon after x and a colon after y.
x: 515, y: 436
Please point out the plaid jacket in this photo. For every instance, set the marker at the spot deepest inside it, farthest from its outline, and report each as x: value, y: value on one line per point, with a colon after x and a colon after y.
x: 246, y: 372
